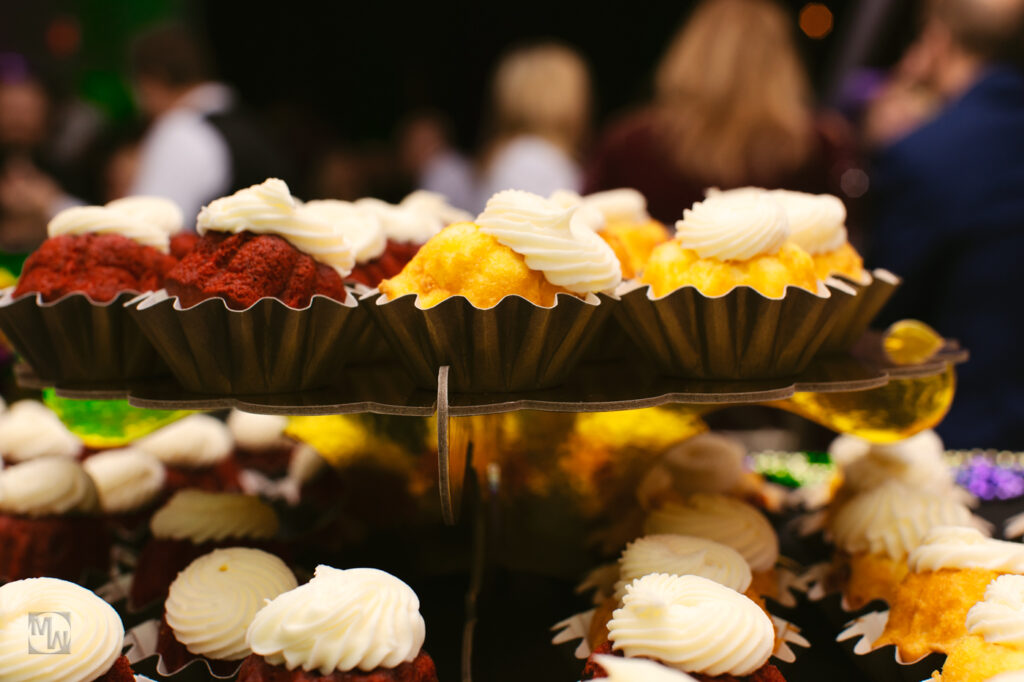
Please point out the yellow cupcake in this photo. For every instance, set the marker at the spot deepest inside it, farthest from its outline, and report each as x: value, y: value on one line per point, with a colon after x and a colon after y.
x: 993, y: 643
x: 817, y: 223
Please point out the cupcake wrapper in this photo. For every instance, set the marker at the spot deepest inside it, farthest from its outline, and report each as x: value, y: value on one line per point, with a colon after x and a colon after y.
x: 141, y: 641
x: 611, y: 343
x: 514, y: 346
x: 884, y: 663
x: 266, y: 348
x: 854, y: 319
x: 739, y: 335
x: 77, y: 341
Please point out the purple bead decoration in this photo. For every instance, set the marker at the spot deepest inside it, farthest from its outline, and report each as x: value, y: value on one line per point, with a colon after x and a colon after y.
x: 990, y: 481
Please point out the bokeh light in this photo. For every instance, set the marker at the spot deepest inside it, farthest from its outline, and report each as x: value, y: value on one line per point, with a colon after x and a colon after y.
x: 816, y: 20
x: 63, y: 36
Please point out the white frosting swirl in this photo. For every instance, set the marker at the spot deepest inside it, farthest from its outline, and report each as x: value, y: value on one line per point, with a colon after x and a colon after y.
x: 417, y: 218
x: 693, y: 624
x: 961, y: 547
x: 733, y: 227
x: 48, y: 486
x: 723, y: 519
x: 29, y: 429
x: 198, y: 440
x: 361, y: 226
x: 893, y: 519
x: 161, y: 212
x: 638, y: 670
x: 258, y: 431
x: 817, y: 222
x: 705, y: 463
x: 917, y: 462
x: 211, y: 603
x: 568, y: 252
x: 125, y: 479
x: 341, y: 620
x: 999, y: 617
x: 79, y: 220
x: 682, y: 555
x: 202, y: 516
x: 622, y: 205
x: 269, y: 208
x: 95, y: 633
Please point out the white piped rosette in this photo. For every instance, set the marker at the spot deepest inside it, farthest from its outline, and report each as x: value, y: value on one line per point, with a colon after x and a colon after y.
x: 197, y: 441
x: 200, y: 516
x: 29, y: 430
x: 47, y: 486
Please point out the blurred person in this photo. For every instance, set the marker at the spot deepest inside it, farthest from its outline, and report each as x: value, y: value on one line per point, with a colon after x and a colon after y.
x: 948, y: 196
x: 201, y: 143
x: 732, y: 107
x: 426, y: 154
x: 541, y: 112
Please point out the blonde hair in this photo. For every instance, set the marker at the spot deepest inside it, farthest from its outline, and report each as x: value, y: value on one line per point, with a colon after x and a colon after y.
x: 542, y: 90
x: 732, y: 97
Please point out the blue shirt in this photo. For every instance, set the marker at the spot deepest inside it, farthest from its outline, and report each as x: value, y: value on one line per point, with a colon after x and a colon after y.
x: 949, y: 202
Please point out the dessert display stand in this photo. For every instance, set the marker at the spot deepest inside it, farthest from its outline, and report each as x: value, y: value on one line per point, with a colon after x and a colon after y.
x: 505, y: 610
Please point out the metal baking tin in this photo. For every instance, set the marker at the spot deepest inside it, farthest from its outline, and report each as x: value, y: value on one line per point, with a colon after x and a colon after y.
x: 854, y: 319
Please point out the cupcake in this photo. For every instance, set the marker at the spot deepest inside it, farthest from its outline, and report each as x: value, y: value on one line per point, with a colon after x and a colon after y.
x: 50, y: 523
x: 102, y: 251
x: 260, y: 243
x: 948, y: 574
x: 72, y: 635
x: 731, y: 240
x: 211, y: 604
x: 29, y: 430
x: 994, y: 642
x: 620, y: 217
x: 521, y: 244
x: 129, y: 484
x: 617, y: 669
x: 693, y: 625
x: 362, y: 229
x: 673, y: 555
x: 355, y: 625
x: 192, y: 523
x: 407, y: 226
x: 260, y: 442
x: 524, y: 275
x: 197, y: 452
x: 728, y: 521
x: 875, y: 531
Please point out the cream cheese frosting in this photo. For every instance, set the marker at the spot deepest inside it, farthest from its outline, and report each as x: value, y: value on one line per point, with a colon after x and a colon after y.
x: 198, y: 440
x: 893, y: 519
x: 692, y: 624
x: 999, y: 617
x: 269, y: 208
x: 417, y: 218
x: 638, y: 670
x: 567, y: 251
x: 707, y: 462
x: 158, y: 211
x: 682, y: 555
x: 361, y: 226
x: 341, y: 620
x: 47, y: 486
x: 80, y: 220
x: 202, y: 516
x: 211, y: 603
x: 125, y: 479
x: 917, y: 461
x: 623, y: 205
x: 258, y: 431
x: 736, y: 227
x: 961, y: 547
x: 817, y: 222
x: 95, y: 634
x: 29, y: 429
x: 723, y: 519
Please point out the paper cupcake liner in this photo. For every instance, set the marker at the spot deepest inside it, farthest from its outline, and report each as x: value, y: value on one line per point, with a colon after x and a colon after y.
x: 855, y: 318
x: 267, y: 348
x: 739, y: 335
x: 75, y: 340
x: 884, y: 663
x: 515, y: 345
x: 141, y: 641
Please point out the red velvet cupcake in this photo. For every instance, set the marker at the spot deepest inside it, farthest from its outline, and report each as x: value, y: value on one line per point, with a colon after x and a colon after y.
x: 193, y: 523
x: 261, y: 243
x: 50, y: 523
x: 197, y: 453
x: 79, y: 635
x: 359, y: 625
